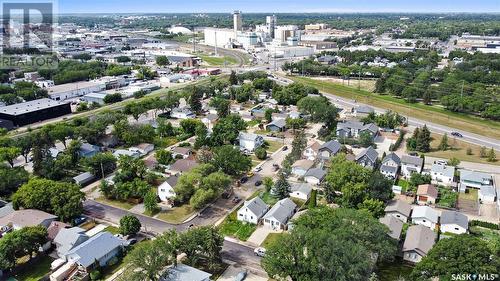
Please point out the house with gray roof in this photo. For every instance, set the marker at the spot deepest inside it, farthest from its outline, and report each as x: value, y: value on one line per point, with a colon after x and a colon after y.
x: 425, y: 216
x: 353, y: 129
x: 99, y: 248
x: 315, y: 176
x: 84, y: 179
x: 182, y: 272
x: 277, y: 125
x: 166, y: 189
x: 279, y: 214
x: 363, y: 110
x: 419, y: 241
x: 474, y: 179
x: 367, y: 157
x: 329, y: 149
x: 410, y: 165
x: 390, y: 165
x: 442, y: 174
x: 68, y: 238
x: 25, y: 217
x: 88, y: 150
x: 399, y: 209
x: 249, y: 141
x: 300, y: 167
x: 453, y: 222
x: 252, y: 210
x: 395, y: 226
x: 300, y: 190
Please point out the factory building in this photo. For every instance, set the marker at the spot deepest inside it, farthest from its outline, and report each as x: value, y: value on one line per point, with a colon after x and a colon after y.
x: 219, y: 37
x: 282, y: 32
x: 271, y: 22
x: 74, y: 90
x: 237, y: 22
x: 21, y: 114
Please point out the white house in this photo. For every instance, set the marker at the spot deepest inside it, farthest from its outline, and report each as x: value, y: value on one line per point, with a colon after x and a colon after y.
x: 399, y: 209
x: 390, y: 165
x: 425, y: 216
x: 487, y: 194
x: 143, y: 148
x: 419, y: 241
x: 300, y: 191
x: 252, y: 210
x: 442, y: 174
x: 182, y: 113
x: 453, y: 222
x: 124, y: 152
x: 183, y: 152
x: 410, y: 165
x: 250, y: 142
x: 311, y: 151
x: 314, y: 176
x: 300, y: 167
x: 279, y: 214
x: 166, y: 189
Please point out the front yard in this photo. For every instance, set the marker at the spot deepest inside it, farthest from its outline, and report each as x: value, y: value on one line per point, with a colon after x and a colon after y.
x: 235, y: 228
x: 273, y: 146
x: 270, y: 239
x: 119, y: 204
x: 176, y: 215
x: 37, y: 270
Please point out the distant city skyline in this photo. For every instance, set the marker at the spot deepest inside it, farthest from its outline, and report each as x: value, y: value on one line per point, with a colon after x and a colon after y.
x: 278, y: 6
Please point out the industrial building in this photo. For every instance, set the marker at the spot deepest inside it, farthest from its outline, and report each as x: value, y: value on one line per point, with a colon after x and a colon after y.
x: 74, y: 90
x: 30, y: 112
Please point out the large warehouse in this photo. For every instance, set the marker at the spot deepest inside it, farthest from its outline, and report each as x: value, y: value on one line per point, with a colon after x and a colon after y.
x: 30, y: 112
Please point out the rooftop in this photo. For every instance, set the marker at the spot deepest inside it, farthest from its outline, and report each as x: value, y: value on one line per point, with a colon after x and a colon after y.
x: 29, y: 106
x: 420, y: 239
x: 73, y: 86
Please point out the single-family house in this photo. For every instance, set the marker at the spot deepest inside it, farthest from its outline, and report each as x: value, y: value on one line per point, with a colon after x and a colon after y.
x: 25, y: 217
x: 143, y: 148
x: 252, y: 210
x: 300, y: 191
x: 442, y: 174
x: 125, y: 152
x: 181, y: 152
x: 419, y: 241
x: 390, y: 165
x: 166, y: 189
x: 353, y: 129
x: 209, y: 120
x: 363, y: 110
x: 182, y: 113
x: 182, y: 272
x: 487, y: 194
x: 410, y: 165
x: 453, y: 222
x: 329, y: 149
x: 311, y: 151
x: 314, y: 176
x: 182, y: 165
x: 300, y: 167
x: 395, y: 226
x: 278, y: 125
x: 88, y: 150
x: 68, y: 238
x: 279, y: 214
x: 54, y: 228
x: 249, y: 141
x: 427, y: 194
x: 84, y: 179
x: 399, y: 209
x: 97, y: 250
x: 108, y: 141
x: 425, y: 216
x: 367, y: 157
x: 474, y: 179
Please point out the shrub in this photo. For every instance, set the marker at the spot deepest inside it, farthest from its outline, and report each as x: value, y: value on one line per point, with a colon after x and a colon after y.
x: 397, y: 144
x: 261, y: 153
x: 490, y: 225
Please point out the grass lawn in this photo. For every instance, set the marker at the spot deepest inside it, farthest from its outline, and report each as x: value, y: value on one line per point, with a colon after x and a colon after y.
x: 392, y: 271
x: 116, y: 203
x: 176, y: 215
x: 218, y: 61
x: 433, y: 114
x: 36, y: 271
x: 270, y: 239
x: 273, y: 146
x: 235, y: 228
x: 459, y: 150
x: 268, y: 198
x: 114, y: 230
x: 253, y: 123
x: 404, y: 185
x: 151, y: 214
x: 471, y: 194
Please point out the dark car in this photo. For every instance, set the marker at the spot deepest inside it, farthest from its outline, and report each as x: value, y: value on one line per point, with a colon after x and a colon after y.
x: 236, y: 199
x: 79, y: 220
x: 456, y: 134
x: 257, y: 183
x: 244, y: 179
x: 285, y: 148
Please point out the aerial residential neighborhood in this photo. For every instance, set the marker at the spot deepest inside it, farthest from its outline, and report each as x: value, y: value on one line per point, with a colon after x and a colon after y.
x: 211, y: 140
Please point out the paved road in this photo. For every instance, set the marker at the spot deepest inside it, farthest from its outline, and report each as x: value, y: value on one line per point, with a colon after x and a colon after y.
x: 244, y: 256
x: 436, y: 128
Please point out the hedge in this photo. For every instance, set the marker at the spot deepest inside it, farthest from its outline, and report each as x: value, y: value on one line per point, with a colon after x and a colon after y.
x: 484, y: 224
x: 397, y: 144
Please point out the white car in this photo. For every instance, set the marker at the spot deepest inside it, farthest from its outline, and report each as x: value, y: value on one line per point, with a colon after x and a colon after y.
x: 257, y: 169
x: 261, y: 252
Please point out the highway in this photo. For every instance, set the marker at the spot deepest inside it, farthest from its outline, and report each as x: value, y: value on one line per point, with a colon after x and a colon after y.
x: 436, y: 128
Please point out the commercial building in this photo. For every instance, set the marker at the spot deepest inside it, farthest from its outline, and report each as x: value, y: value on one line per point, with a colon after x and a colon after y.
x: 219, y: 37
x: 26, y: 113
x: 74, y: 90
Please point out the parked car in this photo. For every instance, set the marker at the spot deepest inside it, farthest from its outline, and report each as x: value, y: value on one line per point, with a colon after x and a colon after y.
x: 244, y: 179
x: 130, y: 242
x: 236, y: 199
x: 261, y: 252
x: 456, y: 134
x: 275, y: 167
x: 250, y: 174
x: 441, y: 162
x: 257, y: 183
x: 241, y: 276
x: 285, y: 148
x: 257, y: 169
x: 79, y: 220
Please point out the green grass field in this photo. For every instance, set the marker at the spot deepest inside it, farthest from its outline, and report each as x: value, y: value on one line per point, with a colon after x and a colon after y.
x: 235, y: 228
x: 218, y: 61
x: 37, y: 270
x: 433, y: 114
x: 176, y: 215
x: 270, y: 239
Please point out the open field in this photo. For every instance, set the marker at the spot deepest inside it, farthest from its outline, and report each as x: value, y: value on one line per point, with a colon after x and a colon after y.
x: 459, y: 150
x: 218, y: 61
x: 433, y: 114
x: 367, y: 85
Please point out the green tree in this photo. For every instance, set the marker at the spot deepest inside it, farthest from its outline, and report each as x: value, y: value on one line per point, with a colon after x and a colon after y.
x: 230, y: 160
x: 457, y: 254
x: 9, y: 154
x: 222, y: 106
x: 151, y: 202
x: 12, y: 179
x: 164, y: 157
x: 482, y: 152
x: 227, y: 129
x: 454, y: 162
x: 268, y: 183
x: 233, y: 79
x: 129, y: 225
x: 469, y: 151
x: 261, y: 153
x: 443, y: 145
x: 374, y: 206
x: 281, y: 188
x: 162, y: 60
x: 20, y: 243
x: 112, y: 98
x: 492, y: 156
x: 100, y: 164
x: 424, y: 140
x: 366, y: 139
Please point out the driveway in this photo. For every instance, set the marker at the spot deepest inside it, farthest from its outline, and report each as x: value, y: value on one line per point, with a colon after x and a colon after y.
x: 233, y: 270
x: 259, y: 235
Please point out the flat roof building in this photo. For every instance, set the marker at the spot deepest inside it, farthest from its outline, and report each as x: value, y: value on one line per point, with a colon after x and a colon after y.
x: 25, y: 113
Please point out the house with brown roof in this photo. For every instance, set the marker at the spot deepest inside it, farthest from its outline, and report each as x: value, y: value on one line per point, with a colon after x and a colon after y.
x: 181, y: 152
x: 419, y: 241
x: 300, y: 167
x: 399, y: 209
x: 23, y: 218
x: 182, y: 165
x: 427, y: 194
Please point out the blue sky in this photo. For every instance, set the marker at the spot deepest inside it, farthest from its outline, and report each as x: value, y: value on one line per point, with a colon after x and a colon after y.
x: 277, y: 6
